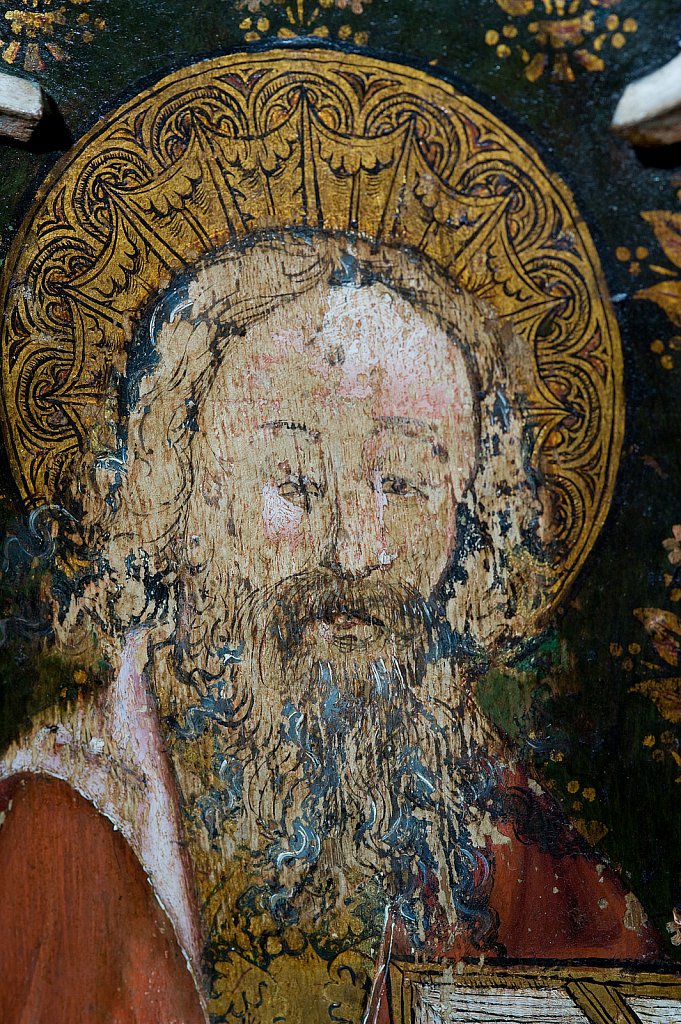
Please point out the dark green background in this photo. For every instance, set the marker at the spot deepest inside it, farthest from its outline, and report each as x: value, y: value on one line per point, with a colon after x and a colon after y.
x: 569, y: 703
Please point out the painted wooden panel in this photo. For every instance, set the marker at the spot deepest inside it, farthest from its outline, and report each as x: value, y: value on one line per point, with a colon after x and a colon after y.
x: 340, y: 452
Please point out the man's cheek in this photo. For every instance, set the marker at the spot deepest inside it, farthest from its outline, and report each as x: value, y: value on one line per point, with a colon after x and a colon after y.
x: 423, y: 536
x: 282, y: 519
x: 408, y: 540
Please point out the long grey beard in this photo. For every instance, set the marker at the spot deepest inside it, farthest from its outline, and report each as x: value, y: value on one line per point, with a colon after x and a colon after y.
x: 391, y: 792
x: 338, y: 767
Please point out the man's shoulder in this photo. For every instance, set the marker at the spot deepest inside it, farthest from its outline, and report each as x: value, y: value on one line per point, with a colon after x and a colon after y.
x: 71, y: 886
x: 52, y: 822
x: 555, y: 896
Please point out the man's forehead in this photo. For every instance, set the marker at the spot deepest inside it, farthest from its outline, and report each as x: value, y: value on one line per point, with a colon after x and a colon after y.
x: 341, y: 346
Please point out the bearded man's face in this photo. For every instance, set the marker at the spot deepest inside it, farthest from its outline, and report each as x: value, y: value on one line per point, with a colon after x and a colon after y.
x: 313, y: 720
x: 337, y: 440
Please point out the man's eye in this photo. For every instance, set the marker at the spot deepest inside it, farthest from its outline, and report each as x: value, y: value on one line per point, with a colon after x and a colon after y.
x: 299, y: 489
x: 399, y: 486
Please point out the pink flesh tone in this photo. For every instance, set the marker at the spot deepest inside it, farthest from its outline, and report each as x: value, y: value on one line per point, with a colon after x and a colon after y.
x: 390, y: 353
x: 282, y: 518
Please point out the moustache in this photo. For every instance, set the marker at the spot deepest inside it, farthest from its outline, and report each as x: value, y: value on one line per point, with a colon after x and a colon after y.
x: 348, y: 614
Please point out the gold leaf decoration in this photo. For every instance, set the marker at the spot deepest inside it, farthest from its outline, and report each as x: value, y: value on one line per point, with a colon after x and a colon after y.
x: 516, y: 7
x: 560, y: 35
x: 308, y: 138
x: 665, y: 695
x: 592, y: 831
x: 672, y: 545
x: 41, y: 30
x: 665, y: 631
x: 666, y: 293
x: 304, y: 18
x: 667, y: 229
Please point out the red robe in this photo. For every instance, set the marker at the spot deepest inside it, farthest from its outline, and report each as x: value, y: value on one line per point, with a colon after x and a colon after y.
x: 84, y: 941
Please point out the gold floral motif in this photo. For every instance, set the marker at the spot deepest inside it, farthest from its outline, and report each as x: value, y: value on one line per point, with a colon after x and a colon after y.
x: 42, y: 29
x: 560, y: 35
x: 288, y: 19
x: 663, y: 685
x: 665, y: 292
x: 583, y: 804
x: 672, y: 545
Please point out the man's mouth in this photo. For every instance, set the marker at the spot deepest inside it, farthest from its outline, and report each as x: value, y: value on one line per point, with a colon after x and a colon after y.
x: 349, y: 629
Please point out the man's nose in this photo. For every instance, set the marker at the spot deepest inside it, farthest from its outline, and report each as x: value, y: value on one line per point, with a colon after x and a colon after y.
x: 357, y: 544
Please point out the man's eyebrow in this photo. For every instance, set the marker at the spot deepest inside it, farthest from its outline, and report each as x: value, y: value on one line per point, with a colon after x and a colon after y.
x: 412, y: 426
x: 290, y: 425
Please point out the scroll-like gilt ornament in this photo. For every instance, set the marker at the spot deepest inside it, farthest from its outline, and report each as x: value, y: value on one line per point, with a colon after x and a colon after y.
x: 310, y: 138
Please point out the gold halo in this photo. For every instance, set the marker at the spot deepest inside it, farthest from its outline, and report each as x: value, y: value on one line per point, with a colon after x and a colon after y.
x: 343, y: 142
